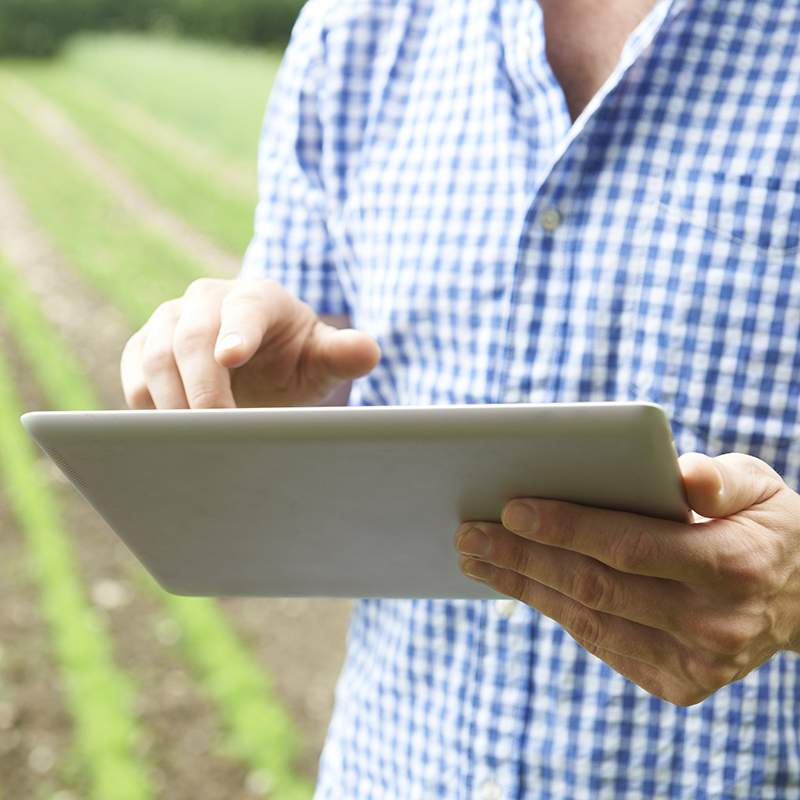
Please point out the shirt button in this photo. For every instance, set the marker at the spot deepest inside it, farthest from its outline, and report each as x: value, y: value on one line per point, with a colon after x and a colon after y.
x: 490, y: 791
x: 525, y: 45
x: 505, y: 608
x: 550, y: 218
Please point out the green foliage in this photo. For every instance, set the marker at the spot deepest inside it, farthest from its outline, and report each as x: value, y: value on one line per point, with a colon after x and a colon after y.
x: 39, y: 27
x: 263, y: 735
x: 98, y: 694
x: 240, y: 21
x: 222, y: 213
x: 136, y: 270
x: 123, y: 258
x: 213, y: 93
x: 56, y: 369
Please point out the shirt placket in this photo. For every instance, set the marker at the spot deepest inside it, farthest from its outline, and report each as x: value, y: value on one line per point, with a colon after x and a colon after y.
x: 502, y: 696
x: 537, y: 338
x: 540, y: 300
x: 539, y: 331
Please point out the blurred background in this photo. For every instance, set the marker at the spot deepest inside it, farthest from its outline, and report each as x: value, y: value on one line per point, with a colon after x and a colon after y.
x: 128, y: 136
x: 40, y: 27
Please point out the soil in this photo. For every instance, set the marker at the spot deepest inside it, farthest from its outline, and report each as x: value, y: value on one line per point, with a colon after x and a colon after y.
x: 299, y: 642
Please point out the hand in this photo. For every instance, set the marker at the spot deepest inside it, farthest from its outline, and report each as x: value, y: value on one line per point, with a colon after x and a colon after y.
x: 243, y: 342
x: 680, y: 609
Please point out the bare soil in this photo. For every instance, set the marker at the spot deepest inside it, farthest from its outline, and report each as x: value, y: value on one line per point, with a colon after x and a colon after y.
x: 299, y: 642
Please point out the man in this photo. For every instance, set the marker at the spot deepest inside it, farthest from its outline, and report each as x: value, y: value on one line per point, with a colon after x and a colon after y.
x: 556, y: 201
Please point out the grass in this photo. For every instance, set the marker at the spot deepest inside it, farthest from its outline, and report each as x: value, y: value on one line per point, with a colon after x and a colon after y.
x: 263, y: 736
x: 215, y: 94
x: 123, y: 258
x: 98, y: 693
x: 55, y: 368
x: 261, y: 732
x: 221, y: 212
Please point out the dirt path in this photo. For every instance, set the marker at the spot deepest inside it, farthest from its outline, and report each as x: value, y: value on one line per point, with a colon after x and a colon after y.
x: 94, y: 330
x: 299, y: 642
x: 35, y: 729
x: 36, y: 745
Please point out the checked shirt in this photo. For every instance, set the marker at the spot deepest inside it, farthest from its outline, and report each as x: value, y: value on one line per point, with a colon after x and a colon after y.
x: 419, y: 171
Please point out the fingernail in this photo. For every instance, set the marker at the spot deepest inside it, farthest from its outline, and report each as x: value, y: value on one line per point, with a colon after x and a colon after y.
x: 479, y: 570
x: 474, y: 543
x: 520, y: 517
x: 228, y: 342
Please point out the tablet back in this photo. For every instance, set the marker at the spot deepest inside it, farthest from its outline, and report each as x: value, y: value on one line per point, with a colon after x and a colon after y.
x: 346, y: 502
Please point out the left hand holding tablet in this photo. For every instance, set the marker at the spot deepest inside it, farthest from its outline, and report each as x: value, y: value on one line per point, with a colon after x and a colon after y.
x: 680, y: 609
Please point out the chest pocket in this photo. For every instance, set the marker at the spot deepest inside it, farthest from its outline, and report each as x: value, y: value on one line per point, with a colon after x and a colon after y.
x: 723, y: 356
x: 754, y: 212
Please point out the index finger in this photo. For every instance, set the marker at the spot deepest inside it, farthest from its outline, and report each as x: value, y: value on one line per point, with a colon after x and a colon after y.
x: 626, y: 542
x: 206, y: 383
x: 246, y: 314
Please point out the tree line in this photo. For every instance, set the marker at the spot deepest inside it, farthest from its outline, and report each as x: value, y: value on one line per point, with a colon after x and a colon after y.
x: 39, y: 27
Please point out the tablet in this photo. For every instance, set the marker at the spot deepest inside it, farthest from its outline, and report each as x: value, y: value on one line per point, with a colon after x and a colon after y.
x: 347, y: 502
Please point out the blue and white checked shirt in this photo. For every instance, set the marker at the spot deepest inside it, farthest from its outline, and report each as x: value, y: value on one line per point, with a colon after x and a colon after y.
x: 420, y: 172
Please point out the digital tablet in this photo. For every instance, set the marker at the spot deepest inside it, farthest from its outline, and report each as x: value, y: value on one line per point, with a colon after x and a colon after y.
x: 347, y: 502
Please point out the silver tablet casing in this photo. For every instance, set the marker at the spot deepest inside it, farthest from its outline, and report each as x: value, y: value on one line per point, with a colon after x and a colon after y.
x: 347, y: 502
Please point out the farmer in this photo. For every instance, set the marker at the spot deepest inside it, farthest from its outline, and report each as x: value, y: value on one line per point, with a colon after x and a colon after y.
x: 518, y: 201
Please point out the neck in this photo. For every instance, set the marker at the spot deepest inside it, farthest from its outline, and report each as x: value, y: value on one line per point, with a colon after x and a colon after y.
x: 584, y: 40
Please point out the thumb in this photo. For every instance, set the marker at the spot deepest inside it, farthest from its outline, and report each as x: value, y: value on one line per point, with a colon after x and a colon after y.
x: 345, y: 354
x: 722, y: 486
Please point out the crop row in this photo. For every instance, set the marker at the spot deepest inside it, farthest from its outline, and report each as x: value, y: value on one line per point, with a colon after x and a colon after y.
x: 135, y: 268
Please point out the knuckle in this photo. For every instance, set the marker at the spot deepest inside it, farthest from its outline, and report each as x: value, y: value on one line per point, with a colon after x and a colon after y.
x: 518, y: 557
x: 157, y: 356
x: 204, y: 396
x: 758, y: 472
x: 264, y: 285
x: 168, y: 310
x: 200, y: 287
x: 515, y: 585
x: 138, y: 396
x: 131, y: 356
x: 686, y: 696
x: 702, y: 674
x: 716, y: 674
x: 561, y: 524
x: 192, y: 335
x: 729, y: 638
x: 135, y: 341
x: 584, y: 626
x: 260, y: 284
x: 746, y: 569
x: 595, y: 588
x: 250, y: 289
x: 632, y: 548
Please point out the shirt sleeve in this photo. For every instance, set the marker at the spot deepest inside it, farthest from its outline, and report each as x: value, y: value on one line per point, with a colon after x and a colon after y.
x: 291, y: 242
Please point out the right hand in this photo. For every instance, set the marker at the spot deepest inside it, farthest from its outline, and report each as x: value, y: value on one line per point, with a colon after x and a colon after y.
x: 244, y: 342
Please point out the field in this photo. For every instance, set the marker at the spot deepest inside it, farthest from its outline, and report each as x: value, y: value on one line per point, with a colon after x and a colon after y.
x: 127, y: 169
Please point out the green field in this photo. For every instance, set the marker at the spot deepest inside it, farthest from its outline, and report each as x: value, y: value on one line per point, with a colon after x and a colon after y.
x: 171, y: 126
x: 214, y: 94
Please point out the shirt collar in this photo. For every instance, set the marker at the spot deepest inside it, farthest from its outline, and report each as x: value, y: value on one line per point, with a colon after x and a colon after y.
x: 642, y: 37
